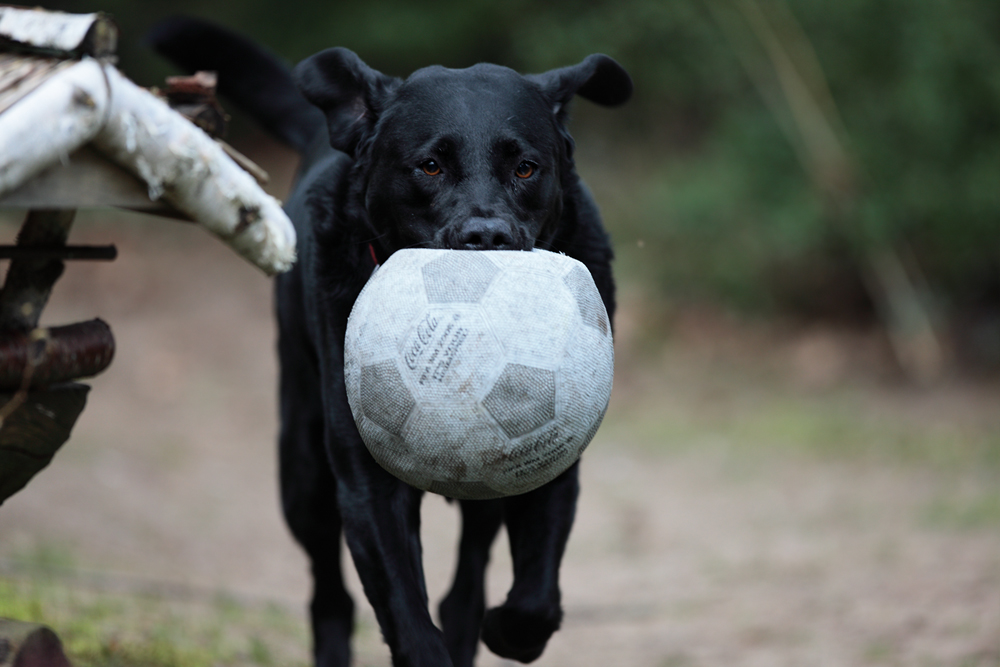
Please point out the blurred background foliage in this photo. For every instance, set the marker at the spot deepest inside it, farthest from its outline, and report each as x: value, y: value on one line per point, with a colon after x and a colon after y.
x: 782, y: 159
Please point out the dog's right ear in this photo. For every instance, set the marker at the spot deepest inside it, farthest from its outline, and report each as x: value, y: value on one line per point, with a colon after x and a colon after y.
x: 348, y: 91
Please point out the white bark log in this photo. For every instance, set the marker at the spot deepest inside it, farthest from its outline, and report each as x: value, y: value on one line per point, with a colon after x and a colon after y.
x: 58, y: 31
x: 92, y: 102
x: 46, y: 126
x: 20, y: 75
x: 186, y: 167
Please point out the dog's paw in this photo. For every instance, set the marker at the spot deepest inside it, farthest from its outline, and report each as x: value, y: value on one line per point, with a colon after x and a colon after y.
x: 518, y: 635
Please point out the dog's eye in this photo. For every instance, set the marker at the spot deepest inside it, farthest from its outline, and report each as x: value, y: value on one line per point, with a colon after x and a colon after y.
x: 431, y: 168
x: 524, y: 170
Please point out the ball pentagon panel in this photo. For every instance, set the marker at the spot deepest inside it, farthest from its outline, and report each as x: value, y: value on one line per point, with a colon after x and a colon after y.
x: 533, y: 314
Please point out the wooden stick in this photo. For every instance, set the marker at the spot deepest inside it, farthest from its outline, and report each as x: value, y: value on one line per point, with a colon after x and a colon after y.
x: 64, y: 252
x: 792, y: 84
x: 29, y: 281
x: 48, y: 356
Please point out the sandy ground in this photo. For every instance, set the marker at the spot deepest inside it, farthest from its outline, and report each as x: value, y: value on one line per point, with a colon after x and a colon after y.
x: 681, y: 556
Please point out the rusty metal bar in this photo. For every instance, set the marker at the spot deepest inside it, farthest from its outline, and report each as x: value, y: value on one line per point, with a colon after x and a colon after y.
x: 67, y: 252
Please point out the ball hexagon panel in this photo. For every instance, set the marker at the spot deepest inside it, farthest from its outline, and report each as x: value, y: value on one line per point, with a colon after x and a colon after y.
x: 458, y: 277
x: 391, y: 300
x: 588, y: 299
x: 452, y: 442
x: 522, y: 399
x: 385, y: 398
x: 532, y: 315
x: 450, y: 354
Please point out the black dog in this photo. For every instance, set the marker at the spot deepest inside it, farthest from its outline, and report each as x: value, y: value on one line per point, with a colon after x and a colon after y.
x: 474, y: 159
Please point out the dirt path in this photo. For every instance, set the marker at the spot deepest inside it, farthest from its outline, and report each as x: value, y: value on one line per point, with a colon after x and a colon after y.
x: 682, y: 555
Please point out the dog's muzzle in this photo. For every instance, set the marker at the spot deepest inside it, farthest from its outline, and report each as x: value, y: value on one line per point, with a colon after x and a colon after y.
x: 486, y: 234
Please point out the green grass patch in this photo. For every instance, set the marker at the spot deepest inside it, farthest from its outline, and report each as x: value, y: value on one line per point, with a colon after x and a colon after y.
x: 112, y: 628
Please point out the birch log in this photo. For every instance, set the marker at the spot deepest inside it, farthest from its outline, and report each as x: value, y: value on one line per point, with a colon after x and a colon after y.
x: 59, y: 32
x: 184, y: 166
x: 58, y: 117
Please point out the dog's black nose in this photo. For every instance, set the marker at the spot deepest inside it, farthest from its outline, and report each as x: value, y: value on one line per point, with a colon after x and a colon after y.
x: 485, y: 234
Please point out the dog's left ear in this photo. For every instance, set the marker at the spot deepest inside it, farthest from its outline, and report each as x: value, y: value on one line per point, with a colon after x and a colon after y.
x: 348, y: 91
x: 598, y: 78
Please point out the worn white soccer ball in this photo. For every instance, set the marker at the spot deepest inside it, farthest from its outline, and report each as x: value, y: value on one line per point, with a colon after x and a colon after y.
x: 478, y: 374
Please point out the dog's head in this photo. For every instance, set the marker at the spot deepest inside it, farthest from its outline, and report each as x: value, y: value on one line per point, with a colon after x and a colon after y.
x: 476, y: 158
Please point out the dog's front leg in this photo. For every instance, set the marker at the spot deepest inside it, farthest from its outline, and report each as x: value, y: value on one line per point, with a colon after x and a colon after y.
x: 538, y: 525
x: 380, y: 515
x: 308, y: 486
x: 381, y: 519
x: 462, y: 610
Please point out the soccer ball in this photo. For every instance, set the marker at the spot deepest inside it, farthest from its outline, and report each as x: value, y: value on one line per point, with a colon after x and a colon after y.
x: 478, y: 374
